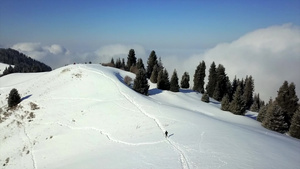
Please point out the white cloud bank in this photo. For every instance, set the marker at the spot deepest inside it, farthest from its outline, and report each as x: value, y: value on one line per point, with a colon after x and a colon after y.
x: 271, y: 55
x: 53, y: 55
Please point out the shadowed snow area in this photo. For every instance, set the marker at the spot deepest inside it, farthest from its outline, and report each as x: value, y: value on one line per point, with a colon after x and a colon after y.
x: 84, y: 116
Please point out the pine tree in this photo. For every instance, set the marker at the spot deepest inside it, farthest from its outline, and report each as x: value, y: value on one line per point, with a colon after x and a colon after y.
x: 287, y: 100
x: 237, y: 106
x: 131, y: 59
x: 221, y: 85
x: 248, y: 92
x: 152, y: 61
x: 13, y: 98
x: 263, y: 111
x: 154, y: 74
x: 163, y: 82
x: 174, y: 87
x: 199, y: 77
x: 205, y: 98
x: 123, y: 64
x: 212, y: 80
x: 185, y: 80
x: 235, y: 84
x: 112, y: 61
x: 294, y: 130
x: 225, y: 104
x: 256, y: 103
x: 140, y: 64
x: 118, y: 63
x: 141, y: 83
x: 274, y: 119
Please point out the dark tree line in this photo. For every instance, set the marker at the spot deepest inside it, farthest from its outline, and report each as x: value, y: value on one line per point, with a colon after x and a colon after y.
x: 21, y: 62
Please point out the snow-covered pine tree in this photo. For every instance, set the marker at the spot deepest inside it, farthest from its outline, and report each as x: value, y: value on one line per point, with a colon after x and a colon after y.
x: 185, y: 80
x: 174, y: 87
x: 141, y: 83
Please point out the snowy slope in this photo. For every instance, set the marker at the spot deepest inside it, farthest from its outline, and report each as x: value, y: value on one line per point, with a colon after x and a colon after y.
x: 87, y: 118
x: 3, y: 66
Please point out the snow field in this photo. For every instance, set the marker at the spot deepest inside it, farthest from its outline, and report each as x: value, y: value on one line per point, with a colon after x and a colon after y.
x: 88, y: 118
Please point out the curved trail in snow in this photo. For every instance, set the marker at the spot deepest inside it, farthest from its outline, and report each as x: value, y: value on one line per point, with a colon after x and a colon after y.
x: 107, y: 135
x: 183, y: 159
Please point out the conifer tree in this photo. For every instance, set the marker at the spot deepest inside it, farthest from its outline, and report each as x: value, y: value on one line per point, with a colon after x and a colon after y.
x: 174, y: 87
x: 263, y: 111
x: 131, y: 59
x: 163, y: 82
x: 199, y: 77
x: 287, y: 100
x: 152, y: 61
x: 112, y: 61
x: 212, y: 80
x: 118, y: 63
x: 248, y: 92
x: 185, y: 80
x: 154, y: 74
x: 235, y: 84
x: 205, y: 98
x: 274, y: 119
x: 141, y: 83
x: 225, y: 104
x: 140, y: 64
x: 237, y: 106
x: 294, y: 130
x: 123, y: 64
x: 221, y: 85
x: 13, y: 98
x: 256, y: 103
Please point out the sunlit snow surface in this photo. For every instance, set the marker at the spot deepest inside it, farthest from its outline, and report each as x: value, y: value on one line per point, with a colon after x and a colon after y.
x: 88, y: 118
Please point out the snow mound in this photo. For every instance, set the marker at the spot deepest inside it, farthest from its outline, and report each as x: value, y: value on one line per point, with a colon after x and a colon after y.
x: 84, y: 116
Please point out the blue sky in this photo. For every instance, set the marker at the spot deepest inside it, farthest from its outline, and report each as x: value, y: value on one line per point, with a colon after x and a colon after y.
x: 154, y: 24
x: 249, y: 37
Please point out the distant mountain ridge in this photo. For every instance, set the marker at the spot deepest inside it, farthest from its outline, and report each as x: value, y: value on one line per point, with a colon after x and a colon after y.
x: 23, y: 63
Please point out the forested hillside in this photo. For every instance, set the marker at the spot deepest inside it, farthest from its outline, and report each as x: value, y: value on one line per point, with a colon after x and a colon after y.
x: 21, y: 62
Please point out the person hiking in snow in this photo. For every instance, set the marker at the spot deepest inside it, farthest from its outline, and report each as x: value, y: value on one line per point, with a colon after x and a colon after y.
x: 166, y: 133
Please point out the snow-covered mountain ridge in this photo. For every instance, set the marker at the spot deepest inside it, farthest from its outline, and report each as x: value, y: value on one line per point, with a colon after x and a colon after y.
x: 84, y: 116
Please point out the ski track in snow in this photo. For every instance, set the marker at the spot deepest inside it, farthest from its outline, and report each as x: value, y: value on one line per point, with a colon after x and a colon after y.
x: 29, y: 140
x: 107, y: 135
x: 183, y: 159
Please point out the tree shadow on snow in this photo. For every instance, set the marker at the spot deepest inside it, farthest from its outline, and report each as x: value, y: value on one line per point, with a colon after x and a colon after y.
x: 170, y: 135
x: 26, y: 97
x: 154, y: 91
x: 186, y: 91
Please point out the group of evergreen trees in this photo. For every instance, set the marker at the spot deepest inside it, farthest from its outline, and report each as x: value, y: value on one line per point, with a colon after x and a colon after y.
x: 282, y: 115
x: 21, y: 62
